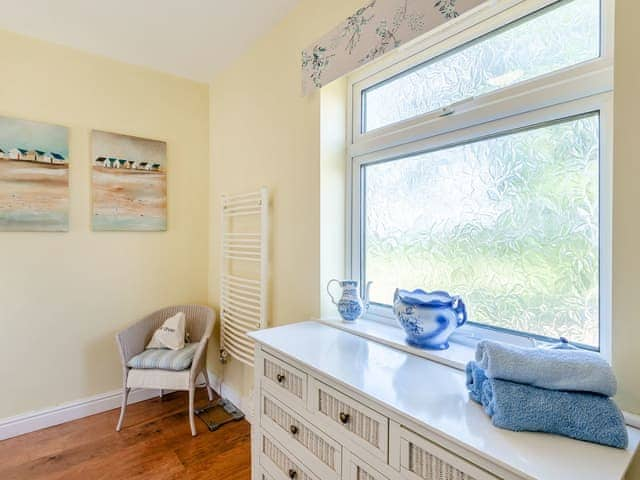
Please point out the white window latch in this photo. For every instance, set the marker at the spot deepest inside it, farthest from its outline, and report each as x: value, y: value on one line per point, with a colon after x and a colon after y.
x: 446, y: 111
x: 451, y: 109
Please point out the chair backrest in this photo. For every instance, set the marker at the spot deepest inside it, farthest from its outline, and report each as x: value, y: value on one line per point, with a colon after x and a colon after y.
x: 199, y: 320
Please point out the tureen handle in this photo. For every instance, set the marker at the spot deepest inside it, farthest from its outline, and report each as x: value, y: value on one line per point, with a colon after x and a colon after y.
x: 461, y: 311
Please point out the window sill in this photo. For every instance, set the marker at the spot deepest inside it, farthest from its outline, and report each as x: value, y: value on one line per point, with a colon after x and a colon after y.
x: 456, y: 356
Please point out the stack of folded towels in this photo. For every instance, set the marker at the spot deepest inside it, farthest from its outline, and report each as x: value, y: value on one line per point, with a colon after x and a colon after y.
x: 561, y: 390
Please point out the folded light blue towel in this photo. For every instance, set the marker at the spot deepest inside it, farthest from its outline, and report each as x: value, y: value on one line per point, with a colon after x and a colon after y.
x: 551, y: 368
x: 475, y: 380
x: 583, y: 416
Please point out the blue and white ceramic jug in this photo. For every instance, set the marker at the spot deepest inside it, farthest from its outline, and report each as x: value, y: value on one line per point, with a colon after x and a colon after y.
x: 350, y: 306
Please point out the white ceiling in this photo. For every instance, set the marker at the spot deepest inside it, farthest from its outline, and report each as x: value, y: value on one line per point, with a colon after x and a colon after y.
x: 190, y: 38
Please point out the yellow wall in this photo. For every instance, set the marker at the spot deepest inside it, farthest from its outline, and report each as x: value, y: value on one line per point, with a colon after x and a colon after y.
x: 264, y: 132
x: 626, y: 202
x: 626, y: 196
x: 64, y: 295
x: 333, y: 188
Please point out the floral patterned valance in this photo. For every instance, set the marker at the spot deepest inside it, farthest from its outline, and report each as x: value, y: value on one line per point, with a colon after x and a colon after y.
x: 376, y: 28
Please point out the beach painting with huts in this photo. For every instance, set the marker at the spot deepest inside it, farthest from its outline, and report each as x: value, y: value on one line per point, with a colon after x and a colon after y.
x: 129, y: 183
x: 34, y: 176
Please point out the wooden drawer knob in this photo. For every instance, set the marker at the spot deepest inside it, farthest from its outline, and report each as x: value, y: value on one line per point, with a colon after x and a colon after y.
x: 280, y: 377
x: 344, y: 417
x: 293, y: 429
x: 292, y: 474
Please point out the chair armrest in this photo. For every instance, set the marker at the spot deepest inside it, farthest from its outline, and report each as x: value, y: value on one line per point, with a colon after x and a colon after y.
x: 131, y: 341
x: 200, y: 357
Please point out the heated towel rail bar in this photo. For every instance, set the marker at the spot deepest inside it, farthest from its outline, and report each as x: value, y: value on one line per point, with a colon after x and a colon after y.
x: 244, y: 271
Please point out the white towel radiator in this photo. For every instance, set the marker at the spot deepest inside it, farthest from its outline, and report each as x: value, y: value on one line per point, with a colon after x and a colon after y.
x: 244, y: 272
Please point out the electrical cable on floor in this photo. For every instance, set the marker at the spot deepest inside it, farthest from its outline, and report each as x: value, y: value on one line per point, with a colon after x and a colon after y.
x: 221, y: 381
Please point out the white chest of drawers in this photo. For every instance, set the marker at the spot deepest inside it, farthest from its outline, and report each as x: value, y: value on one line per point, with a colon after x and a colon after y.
x: 333, y: 406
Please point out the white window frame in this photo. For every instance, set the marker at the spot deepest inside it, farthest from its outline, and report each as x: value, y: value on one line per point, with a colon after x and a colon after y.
x: 583, y: 88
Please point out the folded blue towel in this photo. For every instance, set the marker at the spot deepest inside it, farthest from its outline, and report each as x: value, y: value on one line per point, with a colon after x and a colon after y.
x: 475, y: 380
x: 583, y: 416
x: 551, y: 368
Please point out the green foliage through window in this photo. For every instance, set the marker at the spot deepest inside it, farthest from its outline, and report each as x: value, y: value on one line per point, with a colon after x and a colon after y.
x: 511, y: 223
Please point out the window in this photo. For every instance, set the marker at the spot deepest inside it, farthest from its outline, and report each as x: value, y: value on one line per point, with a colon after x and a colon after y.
x: 509, y: 222
x: 507, y: 202
x: 557, y: 37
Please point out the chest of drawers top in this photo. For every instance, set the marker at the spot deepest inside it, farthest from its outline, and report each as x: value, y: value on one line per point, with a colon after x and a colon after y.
x: 426, y: 395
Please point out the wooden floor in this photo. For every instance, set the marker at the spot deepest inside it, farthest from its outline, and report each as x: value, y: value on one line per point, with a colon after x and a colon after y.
x: 155, y: 443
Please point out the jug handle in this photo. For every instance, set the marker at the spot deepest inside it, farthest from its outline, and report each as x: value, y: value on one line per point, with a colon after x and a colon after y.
x: 329, y: 291
x: 461, y: 311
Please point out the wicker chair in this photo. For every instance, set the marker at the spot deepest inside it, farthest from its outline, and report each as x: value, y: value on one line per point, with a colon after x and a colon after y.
x: 132, y: 341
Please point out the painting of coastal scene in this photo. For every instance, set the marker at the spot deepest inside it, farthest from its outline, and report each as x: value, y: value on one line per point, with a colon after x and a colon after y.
x: 34, y: 176
x: 129, y: 183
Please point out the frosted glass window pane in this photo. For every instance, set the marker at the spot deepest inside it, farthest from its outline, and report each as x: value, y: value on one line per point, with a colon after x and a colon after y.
x: 557, y: 37
x: 510, y: 223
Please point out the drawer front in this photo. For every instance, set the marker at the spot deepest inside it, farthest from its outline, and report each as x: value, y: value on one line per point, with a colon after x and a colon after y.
x: 364, y: 426
x: 361, y: 473
x: 421, y: 459
x: 288, y: 380
x: 262, y: 475
x: 302, y: 438
x: 357, y: 469
x: 280, y: 464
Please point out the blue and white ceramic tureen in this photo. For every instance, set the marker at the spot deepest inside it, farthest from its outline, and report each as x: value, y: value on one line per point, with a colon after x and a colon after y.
x: 428, y: 318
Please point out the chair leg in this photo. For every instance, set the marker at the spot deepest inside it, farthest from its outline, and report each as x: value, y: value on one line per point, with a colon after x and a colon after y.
x: 123, y: 408
x: 191, y: 419
x: 205, y: 374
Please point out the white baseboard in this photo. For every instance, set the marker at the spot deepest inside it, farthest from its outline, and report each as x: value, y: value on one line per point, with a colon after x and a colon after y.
x: 48, y: 417
x: 244, y: 403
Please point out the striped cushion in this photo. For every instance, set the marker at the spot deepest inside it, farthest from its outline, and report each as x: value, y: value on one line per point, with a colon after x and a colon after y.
x: 165, y: 359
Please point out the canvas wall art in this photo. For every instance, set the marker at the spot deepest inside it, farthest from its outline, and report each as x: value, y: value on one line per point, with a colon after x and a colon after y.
x: 129, y: 183
x: 34, y: 176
